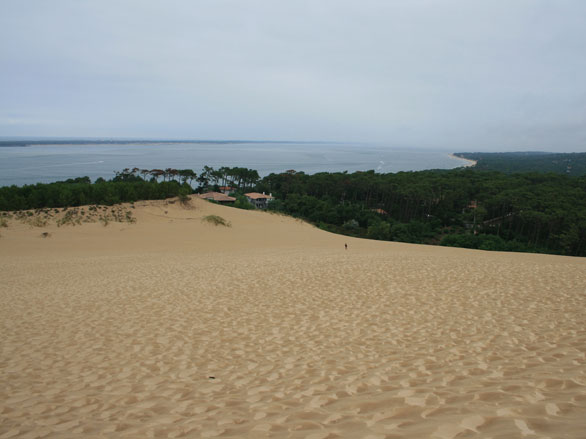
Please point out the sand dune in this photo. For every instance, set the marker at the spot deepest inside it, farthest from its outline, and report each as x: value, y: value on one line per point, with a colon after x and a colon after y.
x: 171, y: 327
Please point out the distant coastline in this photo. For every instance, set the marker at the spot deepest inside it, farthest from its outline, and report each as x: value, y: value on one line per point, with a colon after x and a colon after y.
x: 68, y: 141
x: 572, y: 164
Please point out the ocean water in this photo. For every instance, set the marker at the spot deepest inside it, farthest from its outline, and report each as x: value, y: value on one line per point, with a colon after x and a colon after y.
x: 20, y: 165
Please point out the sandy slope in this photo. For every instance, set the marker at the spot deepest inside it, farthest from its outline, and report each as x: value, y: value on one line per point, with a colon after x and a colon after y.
x: 116, y: 332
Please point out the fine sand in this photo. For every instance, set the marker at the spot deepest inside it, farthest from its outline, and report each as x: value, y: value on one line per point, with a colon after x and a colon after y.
x: 172, y: 327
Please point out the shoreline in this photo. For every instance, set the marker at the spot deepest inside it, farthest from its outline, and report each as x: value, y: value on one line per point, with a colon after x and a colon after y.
x: 469, y: 162
x: 72, y: 161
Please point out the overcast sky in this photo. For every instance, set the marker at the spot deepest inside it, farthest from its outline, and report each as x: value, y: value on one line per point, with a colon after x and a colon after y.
x: 496, y: 75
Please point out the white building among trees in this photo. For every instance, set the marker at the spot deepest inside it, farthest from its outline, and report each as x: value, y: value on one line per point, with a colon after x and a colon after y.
x: 260, y: 201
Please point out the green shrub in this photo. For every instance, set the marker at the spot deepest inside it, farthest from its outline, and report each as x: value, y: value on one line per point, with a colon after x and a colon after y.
x: 243, y: 203
x: 69, y: 219
x: 183, y: 196
x: 480, y: 242
x: 38, y: 221
x: 380, y: 231
x: 351, y: 225
x: 129, y: 218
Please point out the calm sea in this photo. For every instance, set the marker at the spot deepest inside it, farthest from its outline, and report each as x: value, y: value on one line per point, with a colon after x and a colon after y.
x: 46, y: 163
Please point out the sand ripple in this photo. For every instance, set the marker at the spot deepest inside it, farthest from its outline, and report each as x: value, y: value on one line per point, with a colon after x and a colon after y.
x: 376, y: 343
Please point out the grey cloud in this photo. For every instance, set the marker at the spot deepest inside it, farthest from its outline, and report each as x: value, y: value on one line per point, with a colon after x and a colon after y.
x: 452, y: 74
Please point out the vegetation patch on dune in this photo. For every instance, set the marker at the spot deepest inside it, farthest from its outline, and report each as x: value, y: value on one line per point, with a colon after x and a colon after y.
x: 216, y: 221
x: 69, y: 216
x: 103, y: 214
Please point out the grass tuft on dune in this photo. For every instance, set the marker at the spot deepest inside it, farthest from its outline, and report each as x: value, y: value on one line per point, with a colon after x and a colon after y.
x: 216, y: 220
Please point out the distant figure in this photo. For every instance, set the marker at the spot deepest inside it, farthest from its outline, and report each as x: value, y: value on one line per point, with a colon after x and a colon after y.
x: 346, y: 246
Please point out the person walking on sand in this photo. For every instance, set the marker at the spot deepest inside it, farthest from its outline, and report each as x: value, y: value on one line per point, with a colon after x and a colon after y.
x: 346, y: 246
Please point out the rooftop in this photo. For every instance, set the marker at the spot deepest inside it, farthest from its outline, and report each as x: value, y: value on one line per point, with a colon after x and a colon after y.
x: 216, y: 196
x: 257, y: 196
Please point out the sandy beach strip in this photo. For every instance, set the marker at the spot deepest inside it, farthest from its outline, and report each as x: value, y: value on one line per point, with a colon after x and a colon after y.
x: 172, y: 327
x: 467, y: 162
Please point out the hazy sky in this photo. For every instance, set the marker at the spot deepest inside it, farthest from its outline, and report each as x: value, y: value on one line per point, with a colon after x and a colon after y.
x: 452, y: 74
